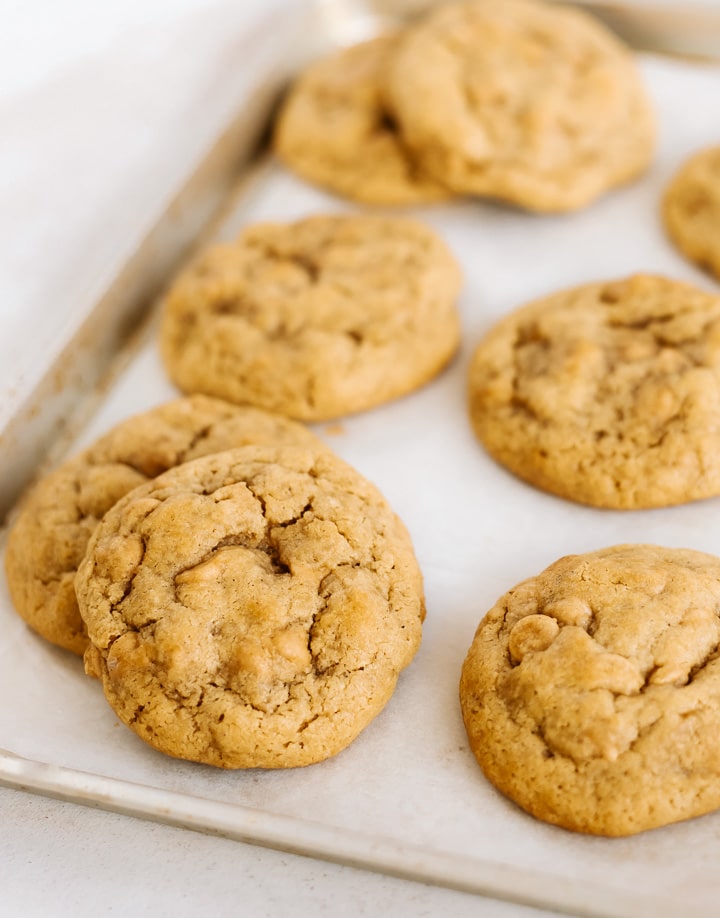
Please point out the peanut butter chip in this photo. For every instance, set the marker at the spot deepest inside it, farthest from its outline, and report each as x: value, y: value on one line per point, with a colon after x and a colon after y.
x: 291, y: 643
x: 532, y: 634
x: 604, y: 721
x: 570, y: 611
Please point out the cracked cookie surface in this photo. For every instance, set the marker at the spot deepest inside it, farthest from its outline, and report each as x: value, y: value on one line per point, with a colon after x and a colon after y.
x: 251, y: 609
x: 591, y: 693
x: 335, y: 130
x: 536, y: 105
x: 49, y: 538
x: 315, y: 319
x: 691, y: 210
x: 606, y: 394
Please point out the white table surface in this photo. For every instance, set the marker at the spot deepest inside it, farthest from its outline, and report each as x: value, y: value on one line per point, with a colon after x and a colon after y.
x: 92, y: 99
x: 62, y: 859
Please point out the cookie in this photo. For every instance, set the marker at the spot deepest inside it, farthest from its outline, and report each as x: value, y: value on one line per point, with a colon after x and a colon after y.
x: 606, y: 394
x: 49, y: 538
x: 691, y: 210
x: 590, y: 692
x: 315, y: 319
x: 251, y: 609
x: 531, y: 103
x: 335, y: 131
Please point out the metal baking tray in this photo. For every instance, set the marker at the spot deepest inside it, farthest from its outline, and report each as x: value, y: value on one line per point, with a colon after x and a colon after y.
x: 406, y: 798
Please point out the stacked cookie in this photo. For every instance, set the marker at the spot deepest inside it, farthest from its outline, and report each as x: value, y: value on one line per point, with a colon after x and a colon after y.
x: 50, y: 537
x: 533, y: 104
x: 248, y: 607
x: 252, y: 608
x: 336, y: 130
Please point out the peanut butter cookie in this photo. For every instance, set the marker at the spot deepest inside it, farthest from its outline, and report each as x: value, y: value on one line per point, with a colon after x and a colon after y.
x: 535, y: 104
x: 335, y: 130
x: 315, y: 319
x: 49, y: 538
x: 591, y: 693
x: 691, y: 210
x: 251, y: 609
x: 607, y: 394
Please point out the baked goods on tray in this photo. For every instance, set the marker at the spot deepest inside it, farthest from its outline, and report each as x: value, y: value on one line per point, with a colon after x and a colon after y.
x: 315, y: 319
x: 590, y: 692
x: 607, y: 394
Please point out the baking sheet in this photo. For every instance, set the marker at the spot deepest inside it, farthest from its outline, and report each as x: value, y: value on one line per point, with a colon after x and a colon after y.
x: 407, y: 795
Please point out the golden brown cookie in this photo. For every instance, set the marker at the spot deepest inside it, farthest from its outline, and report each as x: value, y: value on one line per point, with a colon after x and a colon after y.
x: 315, y: 319
x: 251, y: 609
x: 691, y: 210
x: 606, y: 394
x: 528, y: 102
x: 49, y: 538
x: 335, y: 130
x: 591, y: 693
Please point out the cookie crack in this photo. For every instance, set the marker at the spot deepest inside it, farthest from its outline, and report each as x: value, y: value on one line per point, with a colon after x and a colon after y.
x: 311, y: 268
x: 698, y: 668
x: 521, y: 404
x: 550, y: 751
x: 260, y: 498
x: 195, y: 439
x: 308, y: 265
x: 247, y: 702
x: 642, y: 732
x: 309, y: 721
x: 647, y: 322
x: 235, y: 306
x: 48, y: 579
x: 307, y: 509
x: 127, y: 588
x: 136, y: 714
x: 270, y: 549
x: 291, y: 521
